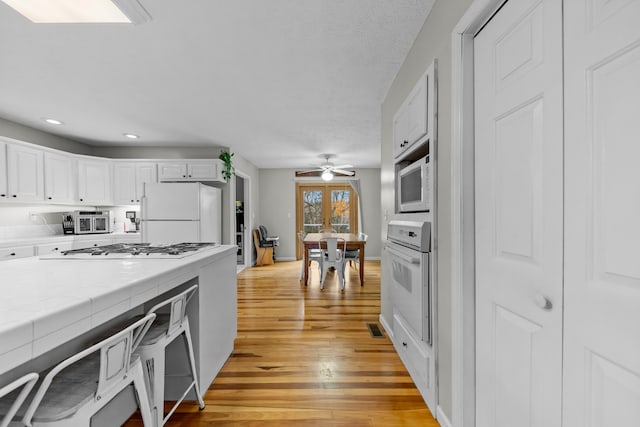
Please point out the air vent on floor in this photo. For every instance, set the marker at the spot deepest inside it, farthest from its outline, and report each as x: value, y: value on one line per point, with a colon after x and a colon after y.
x: 374, y: 330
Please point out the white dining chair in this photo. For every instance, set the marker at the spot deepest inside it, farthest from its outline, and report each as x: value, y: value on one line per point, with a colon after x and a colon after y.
x: 77, y: 388
x: 354, y: 255
x: 314, y: 254
x: 164, y: 331
x: 333, y: 257
x: 13, y: 395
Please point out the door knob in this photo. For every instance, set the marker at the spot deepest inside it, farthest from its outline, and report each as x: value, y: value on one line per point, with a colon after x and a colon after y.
x: 543, y: 302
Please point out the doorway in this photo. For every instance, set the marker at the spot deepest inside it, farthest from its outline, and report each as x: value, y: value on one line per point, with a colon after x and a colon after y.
x: 241, y: 219
x: 325, y: 206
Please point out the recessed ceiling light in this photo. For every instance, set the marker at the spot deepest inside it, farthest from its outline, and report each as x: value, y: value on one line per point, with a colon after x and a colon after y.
x: 131, y: 135
x: 53, y: 121
x: 80, y: 11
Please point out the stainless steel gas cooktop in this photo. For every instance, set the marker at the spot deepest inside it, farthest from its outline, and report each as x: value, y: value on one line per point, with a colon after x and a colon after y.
x: 134, y: 251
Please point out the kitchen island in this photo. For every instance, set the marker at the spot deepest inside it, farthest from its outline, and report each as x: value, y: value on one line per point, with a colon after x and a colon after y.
x: 51, y: 308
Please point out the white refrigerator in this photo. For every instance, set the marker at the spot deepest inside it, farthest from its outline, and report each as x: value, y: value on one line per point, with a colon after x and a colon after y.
x: 181, y: 212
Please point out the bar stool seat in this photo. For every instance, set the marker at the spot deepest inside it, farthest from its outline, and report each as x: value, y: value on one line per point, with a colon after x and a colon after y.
x: 165, y: 330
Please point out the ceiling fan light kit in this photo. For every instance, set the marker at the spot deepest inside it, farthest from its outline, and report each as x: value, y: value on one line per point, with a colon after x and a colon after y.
x: 84, y: 11
x: 329, y: 170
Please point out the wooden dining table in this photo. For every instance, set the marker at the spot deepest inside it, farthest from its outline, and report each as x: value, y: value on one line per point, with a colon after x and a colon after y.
x: 312, y: 241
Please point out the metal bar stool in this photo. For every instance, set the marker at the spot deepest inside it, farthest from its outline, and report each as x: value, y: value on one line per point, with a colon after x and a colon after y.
x: 10, y: 404
x: 152, y: 350
x: 78, y: 387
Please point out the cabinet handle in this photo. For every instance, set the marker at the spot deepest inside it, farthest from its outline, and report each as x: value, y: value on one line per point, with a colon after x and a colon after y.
x: 404, y: 344
x: 189, y: 176
x: 184, y: 176
x: 131, y: 200
x: 3, y: 195
x: 137, y: 201
x: 12, y: 254
x: 82, y: 200
x: 49, y: 198
x: 14, y: 195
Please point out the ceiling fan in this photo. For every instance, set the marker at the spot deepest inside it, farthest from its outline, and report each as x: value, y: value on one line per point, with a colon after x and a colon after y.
x: 328, y: 169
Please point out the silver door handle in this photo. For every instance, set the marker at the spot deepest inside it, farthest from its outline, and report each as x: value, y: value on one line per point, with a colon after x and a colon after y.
x: 543, y: 302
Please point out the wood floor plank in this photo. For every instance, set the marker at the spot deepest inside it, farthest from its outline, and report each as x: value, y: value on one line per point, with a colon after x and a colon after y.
x: 305, y: 357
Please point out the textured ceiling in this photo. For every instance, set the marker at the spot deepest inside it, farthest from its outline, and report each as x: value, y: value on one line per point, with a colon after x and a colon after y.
x: 279, y: 81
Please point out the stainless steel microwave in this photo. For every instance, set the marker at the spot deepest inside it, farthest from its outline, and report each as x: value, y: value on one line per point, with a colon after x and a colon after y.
x: 414, y: 187
x: 90, y: 222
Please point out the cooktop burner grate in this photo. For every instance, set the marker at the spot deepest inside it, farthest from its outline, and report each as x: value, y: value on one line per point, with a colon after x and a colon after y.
x: 140, y: 249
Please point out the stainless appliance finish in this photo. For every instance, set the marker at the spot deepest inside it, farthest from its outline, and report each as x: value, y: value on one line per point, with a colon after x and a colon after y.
x: 137, y: 251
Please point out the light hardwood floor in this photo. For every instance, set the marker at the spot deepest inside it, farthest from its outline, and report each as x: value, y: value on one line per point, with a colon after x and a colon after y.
x: 305, y: 357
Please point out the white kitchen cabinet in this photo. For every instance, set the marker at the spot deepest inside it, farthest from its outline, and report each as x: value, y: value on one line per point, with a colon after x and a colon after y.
x: 15, y: 252
x: 415, y: 119
x: 25, y: 173
x: 191, y: 170
x: 94, y: 181
x: 129, y: 179
x: 3, y: 171
x: 60, y: 178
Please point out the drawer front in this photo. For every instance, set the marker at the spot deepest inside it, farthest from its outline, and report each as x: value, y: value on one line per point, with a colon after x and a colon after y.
x: 412, y: 352
x: 16, y: 252
x: 51, y: 248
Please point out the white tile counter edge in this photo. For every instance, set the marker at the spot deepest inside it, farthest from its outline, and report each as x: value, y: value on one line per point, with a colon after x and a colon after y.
x: 52, y: 301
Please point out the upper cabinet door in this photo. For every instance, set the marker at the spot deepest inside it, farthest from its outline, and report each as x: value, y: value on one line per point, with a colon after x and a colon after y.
x: 59, y: 178
x: 204, y: 170
x: 94, y: 181
x: 124, y: 183
x: 3, y: 171
x: 172, y: 171
x: 415, y: 119
x: 25, y: 168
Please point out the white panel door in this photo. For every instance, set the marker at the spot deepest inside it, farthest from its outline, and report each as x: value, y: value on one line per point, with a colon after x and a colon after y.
x: 518, y: 146
x: 602, y: 205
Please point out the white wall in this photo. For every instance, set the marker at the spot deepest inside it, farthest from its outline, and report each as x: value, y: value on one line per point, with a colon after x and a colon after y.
x: 278, y: 209
x: 433, y: 42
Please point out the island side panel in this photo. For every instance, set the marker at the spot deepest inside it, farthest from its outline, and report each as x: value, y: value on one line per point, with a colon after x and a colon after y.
x: 217, y: 327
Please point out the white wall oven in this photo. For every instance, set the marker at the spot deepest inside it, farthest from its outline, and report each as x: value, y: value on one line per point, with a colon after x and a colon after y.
x: 414, y: 186
x: 411, y: 294
x: 91, y: 222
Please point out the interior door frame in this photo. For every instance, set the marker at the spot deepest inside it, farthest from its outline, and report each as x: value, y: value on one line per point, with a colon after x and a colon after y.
x: 463, y: 385
x: 248, y: 226
x: 353, y: 205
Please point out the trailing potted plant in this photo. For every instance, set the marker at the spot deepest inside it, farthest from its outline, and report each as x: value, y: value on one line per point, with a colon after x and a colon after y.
x: 228, y: 171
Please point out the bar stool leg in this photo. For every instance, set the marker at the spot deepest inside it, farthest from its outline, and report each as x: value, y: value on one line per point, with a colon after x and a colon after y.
x: 192, y: 363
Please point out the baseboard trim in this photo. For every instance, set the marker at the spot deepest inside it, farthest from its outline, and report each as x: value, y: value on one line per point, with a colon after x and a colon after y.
x: 386, y: 327
x: 442, y: 418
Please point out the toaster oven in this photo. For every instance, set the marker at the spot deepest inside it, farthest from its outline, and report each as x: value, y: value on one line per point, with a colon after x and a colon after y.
x: 91, y: 222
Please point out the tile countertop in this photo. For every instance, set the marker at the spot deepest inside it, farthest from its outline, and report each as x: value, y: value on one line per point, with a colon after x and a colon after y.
x: 47, y: 302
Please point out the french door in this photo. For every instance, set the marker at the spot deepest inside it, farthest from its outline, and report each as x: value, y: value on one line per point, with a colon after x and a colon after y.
x: 325, y: 206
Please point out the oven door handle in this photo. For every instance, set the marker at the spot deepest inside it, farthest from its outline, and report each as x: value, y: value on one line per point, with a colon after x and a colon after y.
x: 398, y: 254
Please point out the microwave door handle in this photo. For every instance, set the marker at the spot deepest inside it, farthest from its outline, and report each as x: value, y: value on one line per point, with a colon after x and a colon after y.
x: 409, y: 259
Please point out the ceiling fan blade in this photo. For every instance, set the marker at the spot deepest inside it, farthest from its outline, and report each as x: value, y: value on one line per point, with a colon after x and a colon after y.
x: 311, y: 170
x: 344, y: 172
x: 341, y: 167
